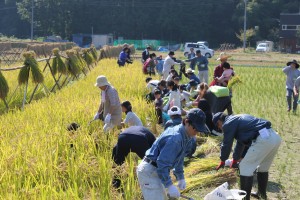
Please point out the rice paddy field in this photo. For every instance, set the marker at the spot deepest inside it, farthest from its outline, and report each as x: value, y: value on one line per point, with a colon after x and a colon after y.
x: 38, y: 162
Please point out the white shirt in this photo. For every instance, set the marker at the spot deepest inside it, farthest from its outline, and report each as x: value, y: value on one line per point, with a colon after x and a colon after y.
x: 185, y: 96
x: 168, y: 64
x: 132, y: 119
x: 152, y: 84
x: 175, y: 97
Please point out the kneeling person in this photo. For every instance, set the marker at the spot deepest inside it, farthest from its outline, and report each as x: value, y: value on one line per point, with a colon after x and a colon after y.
x: 167, y: 153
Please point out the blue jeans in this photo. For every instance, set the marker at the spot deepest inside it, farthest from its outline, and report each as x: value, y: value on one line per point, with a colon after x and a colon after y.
x: 289, y: 95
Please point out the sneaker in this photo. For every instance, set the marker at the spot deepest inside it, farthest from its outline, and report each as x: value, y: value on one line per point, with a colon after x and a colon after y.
x: 288, y: 110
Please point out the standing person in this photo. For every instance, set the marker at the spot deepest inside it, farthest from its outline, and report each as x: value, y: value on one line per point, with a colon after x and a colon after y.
x: 263, y: 141
x: 159, y: 65
x: 167, y: 153
x: 296, y: 89
x: 191, y: 54
x: 146, y: 54
x: 131, y: 118
x: 202, y: 64
x: 169, y: 62
x: 292, y: 72
x: 136, y: 139
x: 110, y: 104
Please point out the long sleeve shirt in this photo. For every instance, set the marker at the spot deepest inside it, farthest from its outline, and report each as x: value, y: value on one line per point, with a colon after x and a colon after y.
x: 169, y: 62
x: 200, y: 62
x: 168, y: 151
x: 244, y: 128
x: 291, y: 76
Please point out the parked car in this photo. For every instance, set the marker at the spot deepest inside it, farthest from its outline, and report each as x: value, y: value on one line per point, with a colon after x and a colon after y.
x: 204, y: 49
x: 203, y: 42
x: 263, y: 47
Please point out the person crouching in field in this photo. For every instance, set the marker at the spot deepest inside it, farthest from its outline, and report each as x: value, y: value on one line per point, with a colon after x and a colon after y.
x: 123, y: 57
x: 131, y: 118
x: 136, y: 139
x: 263, y: 141
x: 292, y: 72
x: 110, y: 104
x: 166, y: 154
x: 226, y: 75
x: 149, y: 65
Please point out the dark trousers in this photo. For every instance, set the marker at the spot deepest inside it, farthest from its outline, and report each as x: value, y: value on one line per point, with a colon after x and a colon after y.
x: 129, y: 143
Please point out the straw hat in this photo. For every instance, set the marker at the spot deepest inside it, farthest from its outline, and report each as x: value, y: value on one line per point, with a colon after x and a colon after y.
x: 101, y: 81
x: 223, y: 56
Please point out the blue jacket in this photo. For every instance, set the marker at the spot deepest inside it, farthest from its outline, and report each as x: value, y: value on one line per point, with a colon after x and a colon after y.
x: 168, y: 151
x: 193, y: 76
x: 122, y: 58
x: 201, y: 62
x: 244, y: 128
x: 173, y: 122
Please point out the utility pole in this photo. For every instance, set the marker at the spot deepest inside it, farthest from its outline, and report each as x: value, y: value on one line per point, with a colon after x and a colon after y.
x: 245, y: 24
x: 92, y: 35
x: 31, y: 20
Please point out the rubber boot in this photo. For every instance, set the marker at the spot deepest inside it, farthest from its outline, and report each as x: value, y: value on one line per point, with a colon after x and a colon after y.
x: 246, y: 185
x: 262, y: 182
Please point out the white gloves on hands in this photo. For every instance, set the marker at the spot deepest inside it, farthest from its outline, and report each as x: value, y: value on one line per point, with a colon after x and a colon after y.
x: 181, y: 184
x: 173, y: 191
x: 107, y: 118
x: 188, y: 104
x: 96, y: 116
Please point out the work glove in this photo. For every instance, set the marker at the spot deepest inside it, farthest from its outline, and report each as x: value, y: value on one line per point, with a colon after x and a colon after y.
x: 107, y: 118
x: 181, y: 184
x: 234, y: 164
x: 96, y: 116
x: 173, y: 191
x: 221, y: 165
x: 189, y: 104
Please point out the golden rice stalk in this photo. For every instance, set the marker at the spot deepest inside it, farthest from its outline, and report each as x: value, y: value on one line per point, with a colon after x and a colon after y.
x: 233, y: 81
x: 58, y: 64
x: 88, y: 57
x: 23, y: 75
x: 4, y: 89
x: 54, y: 66
x: 94, y: 52
x: 36, y: 74
x: 73, y: 62
x: 213, y: 179
x: 197, y: 166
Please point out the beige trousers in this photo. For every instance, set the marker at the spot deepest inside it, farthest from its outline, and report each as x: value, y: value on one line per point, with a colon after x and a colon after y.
x: 261, y: 154
x: 151, y: 185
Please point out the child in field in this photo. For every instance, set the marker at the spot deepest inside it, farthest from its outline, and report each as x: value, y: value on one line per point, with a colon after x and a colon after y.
x: 174, y: 97
x: 226, y: 75
x: 158, y: 102
x: 131, y: 118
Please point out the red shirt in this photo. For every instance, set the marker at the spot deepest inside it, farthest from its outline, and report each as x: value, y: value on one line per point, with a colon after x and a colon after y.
x: 218, y: 71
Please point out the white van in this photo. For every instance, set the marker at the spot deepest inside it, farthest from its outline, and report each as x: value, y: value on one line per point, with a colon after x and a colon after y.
x: 204, y: 49
x: 264, y: 46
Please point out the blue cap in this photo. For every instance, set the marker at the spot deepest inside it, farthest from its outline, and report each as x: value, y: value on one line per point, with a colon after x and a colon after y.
x: 198, y: 119
x: 216, y: 117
